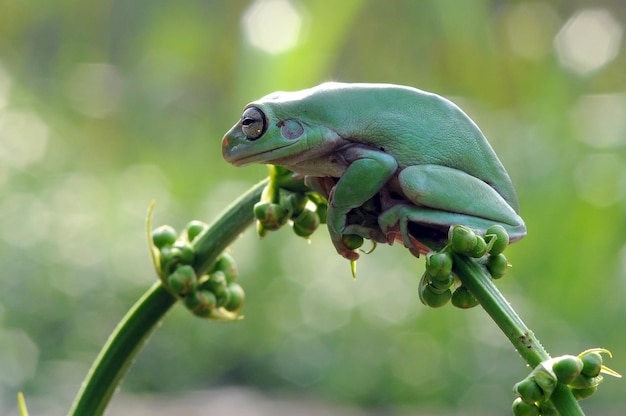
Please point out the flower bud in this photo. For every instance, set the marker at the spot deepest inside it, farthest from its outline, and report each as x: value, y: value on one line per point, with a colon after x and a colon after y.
x: 183, y: 280
x: 236, y: 298
x: 227, y: 265
x: 528, y: 390
x: 592, y: 364
x: 479, y: 249
x: 433, y: 297
x: 272, y: 216
x: 352, y: 241
x: 164, y: 236
x: 463, y: 298
x: 442, y: 283
x: 439, y: 264
x: 217, y: 285
x: 463, y: 239
x: 194, y: 228
x: 306, y: 223
x: 497, y: 239
x: 201, y: 303
x: 567, y: 368
x: 583, y: 393
x: 497, y: 265
x: 521, y: 408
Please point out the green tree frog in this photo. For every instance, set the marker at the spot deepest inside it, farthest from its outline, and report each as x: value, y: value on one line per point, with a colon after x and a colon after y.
x: 408, y: 159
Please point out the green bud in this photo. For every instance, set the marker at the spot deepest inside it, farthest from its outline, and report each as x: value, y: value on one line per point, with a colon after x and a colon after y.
x: 567, y: 368
x: 272, y: 216
x: 179, y: 253
x: 201, y: 302
x: 439, y: 264
x: 164, y: 236
x: 497, y: 265
x: 433, y: 297
x: 352, y: 241
x: 528, y: 390
x: 217, y: 285
x: 226, y: 264
x: 463, y: 298
x: 194, y: 228
x: 583, y: 393
x: 295, y: 203
x: 442, y: 283
x: 463, y: 239
x: 521, y: 408
x: 479, y: 249
x: 183, y: 280
x: 592, y: 364
x: 584, y: 382
x: 497, y: 239
x: 306, y: 223
x: 236, y: 298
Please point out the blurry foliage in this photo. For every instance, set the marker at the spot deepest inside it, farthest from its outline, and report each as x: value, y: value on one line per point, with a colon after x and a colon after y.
x: 106, y: 106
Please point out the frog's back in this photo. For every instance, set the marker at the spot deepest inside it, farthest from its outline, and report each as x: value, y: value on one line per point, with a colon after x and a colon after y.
x: 415, y: 126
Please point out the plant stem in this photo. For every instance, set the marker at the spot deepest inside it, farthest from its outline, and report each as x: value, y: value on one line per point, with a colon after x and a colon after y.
x: 480, y: 284
x: 143, y: 318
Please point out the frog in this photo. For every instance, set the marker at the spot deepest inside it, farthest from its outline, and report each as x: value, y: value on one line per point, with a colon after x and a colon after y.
x: 400, y: 157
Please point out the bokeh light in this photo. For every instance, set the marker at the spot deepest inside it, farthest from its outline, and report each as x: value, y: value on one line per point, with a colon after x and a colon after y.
x: 589, y: 40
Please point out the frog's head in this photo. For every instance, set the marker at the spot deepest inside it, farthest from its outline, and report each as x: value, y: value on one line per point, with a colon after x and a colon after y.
x: 279, y: 129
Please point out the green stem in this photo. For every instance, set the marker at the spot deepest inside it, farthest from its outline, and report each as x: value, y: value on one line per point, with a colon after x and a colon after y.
x: 143, y: 318
x: 474, y: 277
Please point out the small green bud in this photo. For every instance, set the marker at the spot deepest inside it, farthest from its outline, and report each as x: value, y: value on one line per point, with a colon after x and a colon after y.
x: 201, y: 302
x: 352, y: 241
x: 226, y: 264
x: 479, y: 249
x: 433, y: 297
x: 272, y: 216
x: 306, y: 223
x: 528, y: 390
x: 194, y: 228
x: 217, y: 285
x: 463, y: 239
x: 439, y: 265
x: 442, y: 283
x: 584, y: 382
x: 183, y: 280
x: 521, y: 408
x: 463, y: 298
x: 236, y: 298
x: 592, y: 364
x: 583, y: 393
x: 497, y: 265
x: 295, y: 203
x: 164, y: 236
x: 179, y: 253
x: 567, y: 368
x: 497, y: 239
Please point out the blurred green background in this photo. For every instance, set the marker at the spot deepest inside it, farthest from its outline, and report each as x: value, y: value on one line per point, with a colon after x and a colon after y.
x: 107, y: 105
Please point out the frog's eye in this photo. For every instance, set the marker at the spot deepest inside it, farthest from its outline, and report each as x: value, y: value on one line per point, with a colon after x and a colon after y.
x: 253, y: 123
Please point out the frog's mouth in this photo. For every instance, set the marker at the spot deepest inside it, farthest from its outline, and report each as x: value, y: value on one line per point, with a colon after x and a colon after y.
x: 267, y: 156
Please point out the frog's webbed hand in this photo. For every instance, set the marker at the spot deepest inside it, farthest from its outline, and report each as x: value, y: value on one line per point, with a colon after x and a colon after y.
x: 367, y: 172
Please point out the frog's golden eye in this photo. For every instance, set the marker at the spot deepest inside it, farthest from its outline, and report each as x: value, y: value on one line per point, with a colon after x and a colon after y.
x: 253, y: 123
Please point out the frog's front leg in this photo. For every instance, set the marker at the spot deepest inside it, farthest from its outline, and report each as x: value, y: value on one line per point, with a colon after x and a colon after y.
x: 367, y: 172
x: 439, y: 196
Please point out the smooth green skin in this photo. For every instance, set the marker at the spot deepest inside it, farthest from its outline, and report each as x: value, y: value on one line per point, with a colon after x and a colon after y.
x: 421, y: 154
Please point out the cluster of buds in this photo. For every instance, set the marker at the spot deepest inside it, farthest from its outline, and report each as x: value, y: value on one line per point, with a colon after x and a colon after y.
x: 213, y: 295
x: 295, y: 204
x: 439, y: 284
x: 582, y: 374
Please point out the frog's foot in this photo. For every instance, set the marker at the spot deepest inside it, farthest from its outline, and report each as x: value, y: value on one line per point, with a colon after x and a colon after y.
x: 393, y: 224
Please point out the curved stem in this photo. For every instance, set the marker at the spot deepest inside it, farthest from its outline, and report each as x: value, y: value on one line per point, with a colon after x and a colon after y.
x: 491, y: 299
x: 142, y: 319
